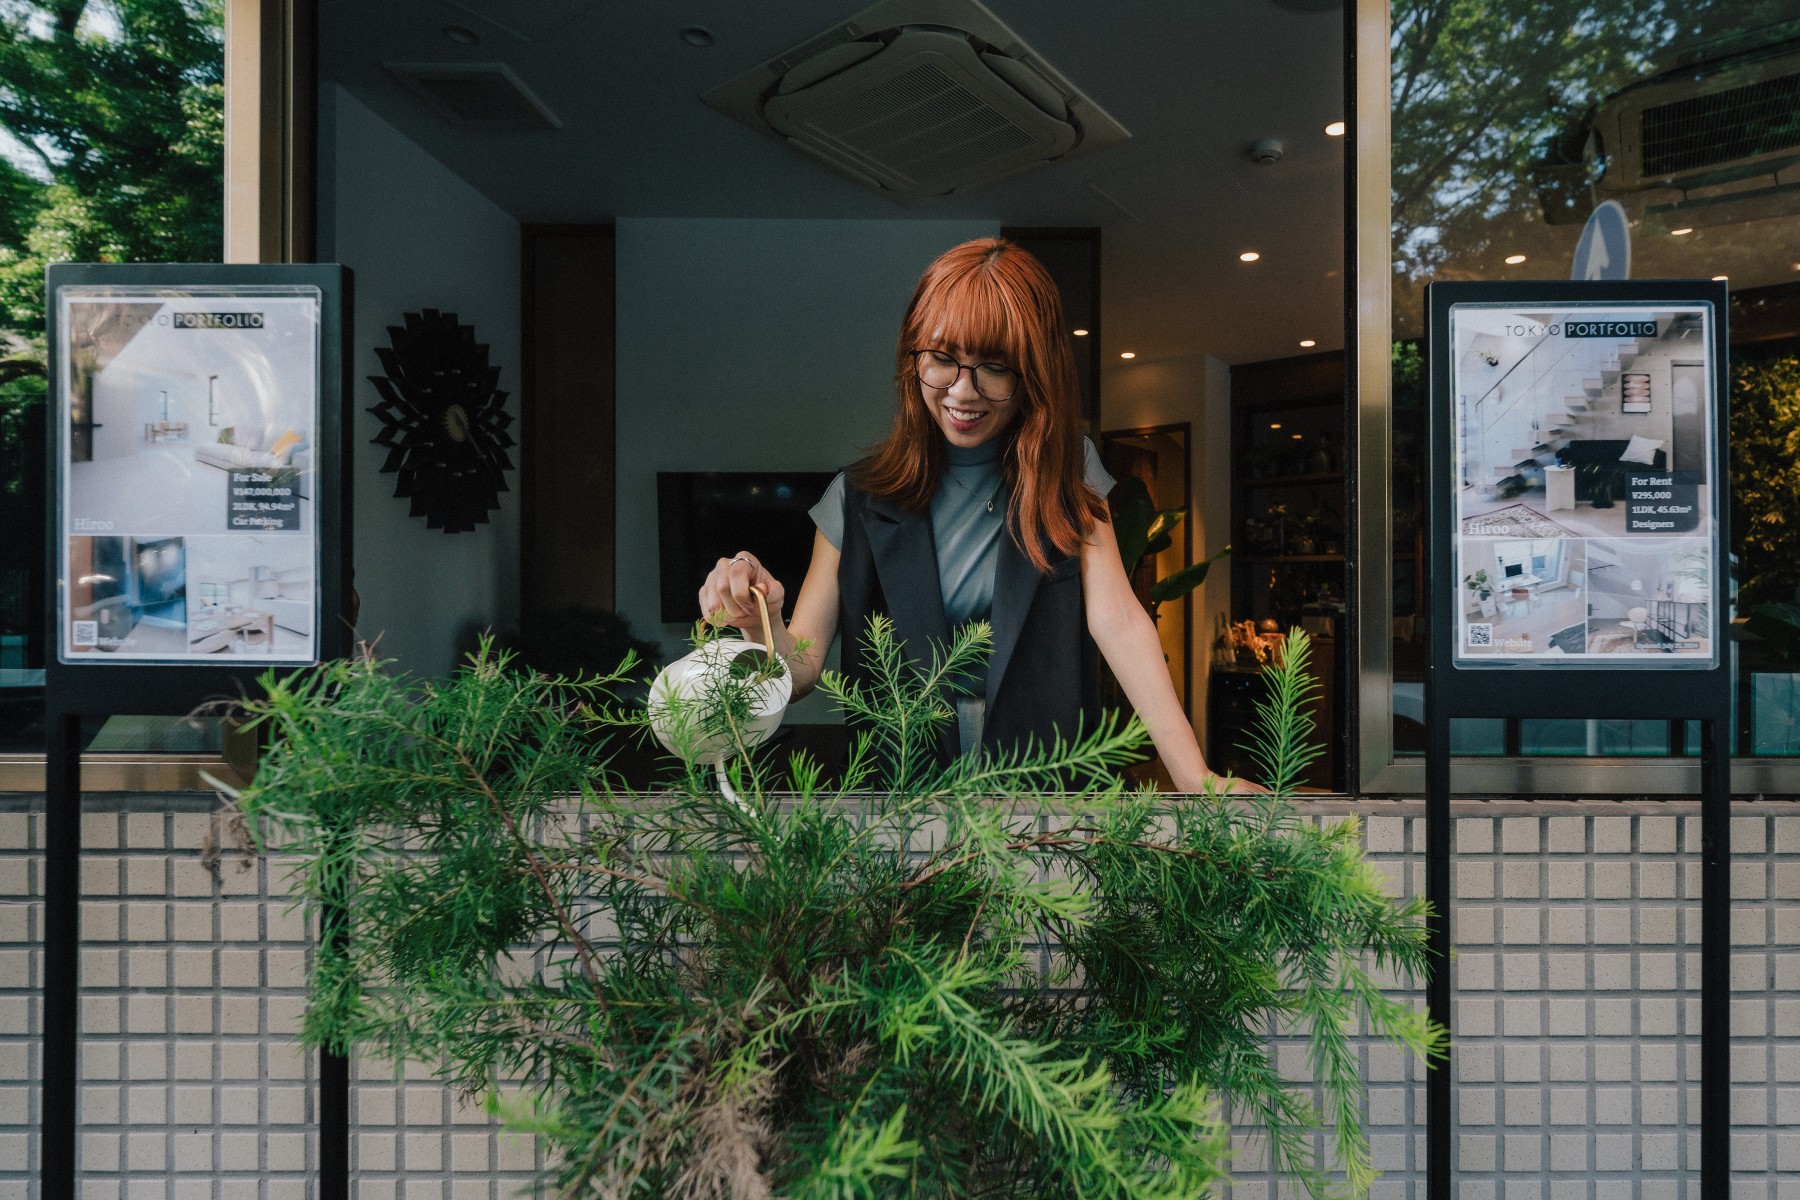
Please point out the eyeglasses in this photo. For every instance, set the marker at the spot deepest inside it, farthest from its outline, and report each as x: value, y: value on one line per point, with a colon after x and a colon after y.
x: 939, y: 370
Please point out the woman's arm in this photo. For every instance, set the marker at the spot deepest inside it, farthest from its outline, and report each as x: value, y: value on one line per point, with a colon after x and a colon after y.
x: 726, y: 594
x: 1127, y: 637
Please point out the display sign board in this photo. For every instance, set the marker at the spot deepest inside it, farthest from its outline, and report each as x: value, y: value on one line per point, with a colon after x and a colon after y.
x: 1584, y: 439
x: 1578, y: 525
x: 187, y: 475
x: 197, y: 508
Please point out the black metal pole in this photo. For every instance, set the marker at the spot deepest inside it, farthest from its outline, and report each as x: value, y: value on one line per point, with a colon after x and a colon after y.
x: 334, y: 1126
x: 1438, y: 1130
x: 1715, y: 955
x: 62, y: 953
x: 334, y: 1085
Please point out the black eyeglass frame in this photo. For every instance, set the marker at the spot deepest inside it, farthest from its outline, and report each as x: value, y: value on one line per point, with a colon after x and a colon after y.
x: 918, y: 357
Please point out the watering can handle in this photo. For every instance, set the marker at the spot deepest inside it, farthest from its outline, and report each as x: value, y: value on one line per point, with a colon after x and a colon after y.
x: 762, y: 608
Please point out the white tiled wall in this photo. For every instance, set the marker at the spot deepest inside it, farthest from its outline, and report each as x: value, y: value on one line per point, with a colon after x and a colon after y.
x: 1577, y: 988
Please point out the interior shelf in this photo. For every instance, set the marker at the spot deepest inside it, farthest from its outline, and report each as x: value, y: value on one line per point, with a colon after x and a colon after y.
x: 1294, y: 480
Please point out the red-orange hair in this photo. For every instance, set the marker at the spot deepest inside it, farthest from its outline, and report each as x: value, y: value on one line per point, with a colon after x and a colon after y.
x: 994, y: 300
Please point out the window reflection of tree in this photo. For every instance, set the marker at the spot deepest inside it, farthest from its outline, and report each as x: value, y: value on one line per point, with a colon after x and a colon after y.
x: 1493, y: 98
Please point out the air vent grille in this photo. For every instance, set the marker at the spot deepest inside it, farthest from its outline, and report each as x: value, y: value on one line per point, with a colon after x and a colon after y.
x: 484, y: 97
x: 1727, y: 126
x: 920, y: 99
x: 922, y: 125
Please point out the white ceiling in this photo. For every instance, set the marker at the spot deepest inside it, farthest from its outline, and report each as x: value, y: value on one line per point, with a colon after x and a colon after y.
x: 1195, y: 81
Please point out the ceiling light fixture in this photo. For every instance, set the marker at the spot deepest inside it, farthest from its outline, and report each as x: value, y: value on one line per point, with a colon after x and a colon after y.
x: 1307, y: 342
x: 1681, y: 232
x: 697, y: 36
x: 1513, y: 260
x: 1335, y: 129
x: 1249, y: 256
x: 1298, y: 436
x: 1128, y: 354
x: 1720, y: 278
x: 1079, y: 332
x: 462, y: 35
x: 1274, y: 424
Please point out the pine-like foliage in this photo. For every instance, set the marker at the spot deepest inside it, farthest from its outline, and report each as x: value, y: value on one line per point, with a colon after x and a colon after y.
x: 912, y: 982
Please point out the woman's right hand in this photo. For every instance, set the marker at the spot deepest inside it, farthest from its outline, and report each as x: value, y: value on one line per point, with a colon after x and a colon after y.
x: 725, y: 596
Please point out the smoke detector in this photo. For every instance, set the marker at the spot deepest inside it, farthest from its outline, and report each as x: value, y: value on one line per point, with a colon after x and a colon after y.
x: 1265, y: 151
x: 920, y: 99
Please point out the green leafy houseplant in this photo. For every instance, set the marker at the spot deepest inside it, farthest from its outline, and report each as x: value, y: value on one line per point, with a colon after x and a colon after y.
x: 914, y: 981
x: 1143, y: 529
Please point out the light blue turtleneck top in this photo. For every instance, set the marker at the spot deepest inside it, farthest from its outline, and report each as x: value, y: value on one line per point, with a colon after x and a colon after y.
x: 968, y: 519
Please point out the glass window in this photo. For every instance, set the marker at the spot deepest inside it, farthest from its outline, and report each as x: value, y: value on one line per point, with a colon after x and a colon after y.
x: 1512, y: 121
x: 129, y: 166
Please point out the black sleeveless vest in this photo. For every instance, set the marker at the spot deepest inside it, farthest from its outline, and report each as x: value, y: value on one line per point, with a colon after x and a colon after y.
x: 1042, y: 677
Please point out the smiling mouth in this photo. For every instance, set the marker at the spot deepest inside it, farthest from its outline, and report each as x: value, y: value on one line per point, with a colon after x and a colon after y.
x: 964, y: 416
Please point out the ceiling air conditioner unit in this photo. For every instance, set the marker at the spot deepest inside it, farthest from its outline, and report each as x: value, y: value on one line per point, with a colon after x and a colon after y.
x: 920, y: 99
x: 1715, y: 130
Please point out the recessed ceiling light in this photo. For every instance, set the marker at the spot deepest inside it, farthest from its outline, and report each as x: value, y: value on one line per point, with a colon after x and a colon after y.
x: 1681, y: 232
x: 1249, y: 256
x: 1274, y: 424
x: 1128, y: 354
x: 1308, y: 342
x: 1298, y: 436
x: 1079, y: 332
x: 1335, y: 129
x: 462, y: 35
x: 1513, y: 260
x: 1720, y: 278
x: 695, y: 35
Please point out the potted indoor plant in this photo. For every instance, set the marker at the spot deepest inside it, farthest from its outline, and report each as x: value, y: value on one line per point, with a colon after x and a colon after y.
x: 1144, y: 531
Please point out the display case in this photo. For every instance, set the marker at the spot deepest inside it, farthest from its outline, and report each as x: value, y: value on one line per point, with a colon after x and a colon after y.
x: 1289, y: 500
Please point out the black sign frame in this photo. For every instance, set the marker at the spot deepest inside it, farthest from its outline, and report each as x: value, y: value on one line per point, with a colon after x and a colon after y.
x: 72, y: 691
x: 175, y: 688
x: 1699, y: 694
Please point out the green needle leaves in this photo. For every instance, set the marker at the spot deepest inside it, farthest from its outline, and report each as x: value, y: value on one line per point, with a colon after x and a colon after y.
x: 881, y: 978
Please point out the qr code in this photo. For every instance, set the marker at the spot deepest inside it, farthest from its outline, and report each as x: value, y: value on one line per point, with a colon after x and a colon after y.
x: 86, y: 633
x: 1481, y: 635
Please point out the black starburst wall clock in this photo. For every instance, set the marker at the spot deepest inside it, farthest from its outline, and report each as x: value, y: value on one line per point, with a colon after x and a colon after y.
x: 443, y: 420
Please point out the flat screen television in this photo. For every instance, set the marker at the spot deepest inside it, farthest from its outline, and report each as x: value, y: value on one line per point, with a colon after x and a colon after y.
x: 703, y: 516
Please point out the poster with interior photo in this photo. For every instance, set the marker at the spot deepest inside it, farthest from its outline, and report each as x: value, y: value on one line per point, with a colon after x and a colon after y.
x: 1583, y: 446
x: 189, y: 419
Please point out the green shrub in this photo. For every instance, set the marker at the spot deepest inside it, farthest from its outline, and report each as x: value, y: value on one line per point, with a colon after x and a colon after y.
x: 910, y: 981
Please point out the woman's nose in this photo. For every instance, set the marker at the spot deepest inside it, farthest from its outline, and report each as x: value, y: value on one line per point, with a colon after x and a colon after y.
x: 964, y: 387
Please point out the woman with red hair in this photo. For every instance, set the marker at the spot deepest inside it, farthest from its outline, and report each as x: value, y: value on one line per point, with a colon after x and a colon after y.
x: 984, y: 502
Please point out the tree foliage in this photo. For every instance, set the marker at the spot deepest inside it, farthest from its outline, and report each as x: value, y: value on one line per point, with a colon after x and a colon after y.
x: 1485, y: 92
x: 115, y: 116
x: 1765, y: 473
x: 910, y: 980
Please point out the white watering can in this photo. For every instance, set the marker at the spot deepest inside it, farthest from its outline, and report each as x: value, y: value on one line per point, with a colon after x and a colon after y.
x: 678, y: 693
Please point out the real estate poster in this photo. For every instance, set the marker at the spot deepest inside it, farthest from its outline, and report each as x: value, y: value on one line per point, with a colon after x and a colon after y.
x: 189, y: 425
x: 1584, y: 440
